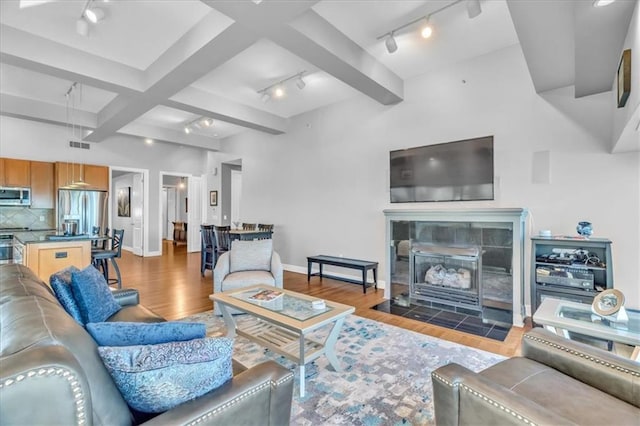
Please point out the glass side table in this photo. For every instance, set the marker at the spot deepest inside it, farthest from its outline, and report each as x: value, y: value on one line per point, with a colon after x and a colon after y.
x: 563, y: 317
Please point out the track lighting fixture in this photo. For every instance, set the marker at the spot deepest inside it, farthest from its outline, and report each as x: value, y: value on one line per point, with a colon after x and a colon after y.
x: 473, y: 10
x: 198, y: 123
x: 391, y: 44
x: 89, y: 15
x: 94, y: 14
x: 426, y: 30
x: 277, y: 90
x: 602, y: 3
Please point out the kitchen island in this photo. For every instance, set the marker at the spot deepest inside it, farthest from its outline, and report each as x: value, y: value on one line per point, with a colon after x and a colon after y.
x: 47, y: 252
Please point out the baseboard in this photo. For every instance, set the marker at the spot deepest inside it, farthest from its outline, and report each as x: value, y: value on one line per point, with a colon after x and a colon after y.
x: 153, y: 253
x: 303, y: 270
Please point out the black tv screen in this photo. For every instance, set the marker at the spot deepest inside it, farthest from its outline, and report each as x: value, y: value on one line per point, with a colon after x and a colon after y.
x: 453, y: 171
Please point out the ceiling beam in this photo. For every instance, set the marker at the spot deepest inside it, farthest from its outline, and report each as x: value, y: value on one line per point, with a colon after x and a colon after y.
x: 297, y: 28
x: 123, y: 110
x: 209, y: 105
x: 169, y: 135
x: 42, y: 55
x: 43, y: 112
x: 315, y: 40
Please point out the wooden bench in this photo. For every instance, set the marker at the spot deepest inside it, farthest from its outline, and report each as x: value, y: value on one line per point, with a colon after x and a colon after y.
x: 343, y: 262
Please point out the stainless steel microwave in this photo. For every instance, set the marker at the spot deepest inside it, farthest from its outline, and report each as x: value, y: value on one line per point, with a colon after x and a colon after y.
x: 15, y: 196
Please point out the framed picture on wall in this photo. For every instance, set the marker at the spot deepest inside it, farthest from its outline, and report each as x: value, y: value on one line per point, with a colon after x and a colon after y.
x: 124, y: 201
x: 624, y: 78
x: 213, y: 198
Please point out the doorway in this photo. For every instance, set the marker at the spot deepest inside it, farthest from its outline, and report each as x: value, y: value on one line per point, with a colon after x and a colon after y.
x: 129, y: 209
x: 181, y: 197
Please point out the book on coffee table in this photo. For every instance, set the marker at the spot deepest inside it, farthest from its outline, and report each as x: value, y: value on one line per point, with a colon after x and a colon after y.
x: 266, y: 296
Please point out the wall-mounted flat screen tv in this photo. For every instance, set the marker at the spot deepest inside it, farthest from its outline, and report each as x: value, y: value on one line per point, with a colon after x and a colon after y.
x: 453, y: 171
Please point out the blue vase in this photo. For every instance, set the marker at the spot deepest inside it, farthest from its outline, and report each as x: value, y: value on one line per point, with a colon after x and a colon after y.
x: 584, y: 229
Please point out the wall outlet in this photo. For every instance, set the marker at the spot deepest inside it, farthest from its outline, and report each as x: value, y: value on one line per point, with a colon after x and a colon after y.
x: 41, y: 218
x: 224, y: 217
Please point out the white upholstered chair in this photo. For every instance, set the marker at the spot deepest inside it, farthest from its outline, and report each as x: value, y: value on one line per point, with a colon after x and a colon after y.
x: 247, y: 263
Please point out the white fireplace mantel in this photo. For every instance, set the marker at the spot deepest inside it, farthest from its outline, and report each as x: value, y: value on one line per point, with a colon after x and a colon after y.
x: 516, y: 216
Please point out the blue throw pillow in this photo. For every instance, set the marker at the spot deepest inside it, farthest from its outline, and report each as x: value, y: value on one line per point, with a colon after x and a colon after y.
x: 60, y: 282
x: 93, y: 295
x: 140, y: 333
x: 156, y: 378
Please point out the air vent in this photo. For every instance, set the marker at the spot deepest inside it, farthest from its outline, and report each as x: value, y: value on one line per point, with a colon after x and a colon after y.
x: 81, y: 145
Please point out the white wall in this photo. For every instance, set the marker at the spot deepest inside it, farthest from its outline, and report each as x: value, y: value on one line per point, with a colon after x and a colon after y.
x: 325, y: 183
x: 46, y: 142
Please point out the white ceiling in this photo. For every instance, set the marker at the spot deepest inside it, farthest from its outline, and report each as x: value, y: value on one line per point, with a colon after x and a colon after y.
x: 149, y: 67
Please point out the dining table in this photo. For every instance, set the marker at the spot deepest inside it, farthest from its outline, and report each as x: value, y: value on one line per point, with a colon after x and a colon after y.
x: 245, y: 235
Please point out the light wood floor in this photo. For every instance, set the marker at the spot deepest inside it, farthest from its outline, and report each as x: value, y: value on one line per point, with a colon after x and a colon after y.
x: 171, y: 285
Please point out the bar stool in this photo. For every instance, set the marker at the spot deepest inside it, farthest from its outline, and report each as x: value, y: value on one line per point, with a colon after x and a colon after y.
x: 100, y: 257
x: 248, y: 226
x: 207, y: 248
x: 222, y: 241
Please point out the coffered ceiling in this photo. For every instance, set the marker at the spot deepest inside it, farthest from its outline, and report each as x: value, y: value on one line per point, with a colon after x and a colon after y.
x: 151, y: 67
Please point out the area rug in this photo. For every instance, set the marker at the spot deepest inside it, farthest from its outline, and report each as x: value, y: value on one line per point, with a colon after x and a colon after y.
x: 386, y: 377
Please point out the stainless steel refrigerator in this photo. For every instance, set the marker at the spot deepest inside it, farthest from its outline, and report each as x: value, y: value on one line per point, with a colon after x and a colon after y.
x: 87, y: 208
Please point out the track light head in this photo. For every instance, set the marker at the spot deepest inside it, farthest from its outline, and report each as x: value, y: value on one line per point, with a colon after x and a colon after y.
x: 94, y: 14
x: 300, y: 82
x: 266, y: 97
x: 473, y: 8
x: 426, y: 30
x: 390, y: 43
x: 187, y: 129
x: 279, y: 92
x: 82, y: 27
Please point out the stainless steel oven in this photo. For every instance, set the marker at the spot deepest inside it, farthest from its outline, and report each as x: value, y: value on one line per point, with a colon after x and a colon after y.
x: 6, y: 248
x: 6, y: 245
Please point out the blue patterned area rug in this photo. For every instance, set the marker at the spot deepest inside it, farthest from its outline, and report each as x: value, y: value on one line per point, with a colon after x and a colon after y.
x: 386, y: 377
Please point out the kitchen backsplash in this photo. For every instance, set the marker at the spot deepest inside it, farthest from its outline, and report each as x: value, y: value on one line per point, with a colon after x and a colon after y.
x: 25, y: 217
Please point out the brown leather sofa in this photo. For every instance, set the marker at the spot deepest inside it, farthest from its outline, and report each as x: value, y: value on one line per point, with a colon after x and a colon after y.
x: 51, y: 373
x: 556, y: 381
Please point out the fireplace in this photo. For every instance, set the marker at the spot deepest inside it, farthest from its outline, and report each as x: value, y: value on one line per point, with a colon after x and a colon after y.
x: 486, y: 244
x: 446, y: 275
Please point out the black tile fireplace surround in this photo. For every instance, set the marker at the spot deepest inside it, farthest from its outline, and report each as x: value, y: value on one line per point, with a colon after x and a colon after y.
x: 497, y: 232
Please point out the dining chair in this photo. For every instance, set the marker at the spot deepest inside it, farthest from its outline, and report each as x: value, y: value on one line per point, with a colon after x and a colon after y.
x: 266, y: 231
x: 101, y: 257
x: 222, y: 241
x: 207, y: 248
x: 248, y: 226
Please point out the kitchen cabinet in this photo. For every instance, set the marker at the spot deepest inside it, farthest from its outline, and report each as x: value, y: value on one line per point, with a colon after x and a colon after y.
x: 95, y: 177
x: 47, y: 258
x: 42, y: 185
x: 15, y: 172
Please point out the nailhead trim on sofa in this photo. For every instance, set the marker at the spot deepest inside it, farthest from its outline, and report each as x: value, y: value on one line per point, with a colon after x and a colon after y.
x: 273, y: 384
x: 76, y: 389
x: 484, y: 398
x: 582, y: 355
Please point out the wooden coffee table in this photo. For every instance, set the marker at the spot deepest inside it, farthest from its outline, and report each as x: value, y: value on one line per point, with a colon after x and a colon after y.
x: 284, y: 324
